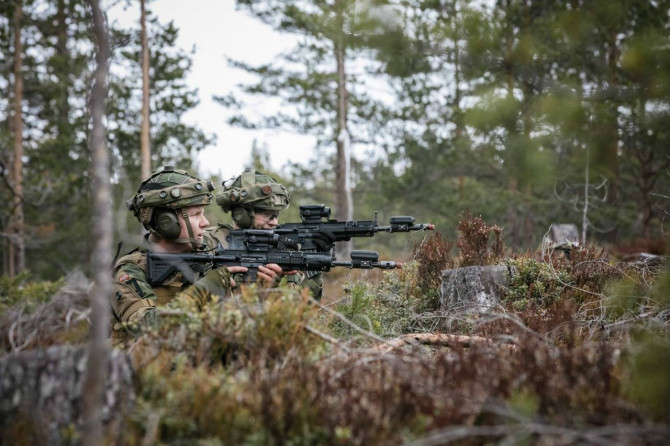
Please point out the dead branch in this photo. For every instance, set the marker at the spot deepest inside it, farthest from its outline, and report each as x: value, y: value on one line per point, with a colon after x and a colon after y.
x: 444, y: 340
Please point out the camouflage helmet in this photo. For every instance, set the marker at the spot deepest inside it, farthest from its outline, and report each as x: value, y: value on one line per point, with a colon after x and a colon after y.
x: 169, y: 188
x: 253, y: 190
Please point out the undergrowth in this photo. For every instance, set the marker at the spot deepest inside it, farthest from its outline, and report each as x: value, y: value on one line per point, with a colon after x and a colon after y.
x: 576, y: 353
x: 21, y: 290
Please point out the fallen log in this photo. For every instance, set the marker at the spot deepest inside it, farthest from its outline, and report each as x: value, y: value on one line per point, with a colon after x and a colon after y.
x: 443, y: 340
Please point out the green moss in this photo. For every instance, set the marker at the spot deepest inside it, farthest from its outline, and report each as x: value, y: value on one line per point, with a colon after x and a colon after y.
x: 534, y: 281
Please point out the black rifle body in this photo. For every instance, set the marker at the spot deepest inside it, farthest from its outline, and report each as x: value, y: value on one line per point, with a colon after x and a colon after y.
x: 160, y: 266
x: 316, y: 232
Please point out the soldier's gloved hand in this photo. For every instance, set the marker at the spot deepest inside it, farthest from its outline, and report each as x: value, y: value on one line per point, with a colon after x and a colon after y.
x: 324, y: 241
x: 219, y: 281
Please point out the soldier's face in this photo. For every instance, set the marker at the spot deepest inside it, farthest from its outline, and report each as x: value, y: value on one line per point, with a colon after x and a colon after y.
x: 266, y: 219
x: 198, y: 221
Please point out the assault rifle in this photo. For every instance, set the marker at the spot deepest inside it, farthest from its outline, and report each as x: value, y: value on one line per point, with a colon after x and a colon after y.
x: 161, y: 265
x: 317, y: 232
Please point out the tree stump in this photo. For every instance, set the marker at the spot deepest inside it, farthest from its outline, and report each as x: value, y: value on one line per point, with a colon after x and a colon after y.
x: 41, y: 395
x: 473, y: 287
x: 560, y: 234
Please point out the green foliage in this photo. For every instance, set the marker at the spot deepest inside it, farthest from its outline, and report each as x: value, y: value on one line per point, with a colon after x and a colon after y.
x: 220, y: 367
x: 58, y: 62
x: 21, y: 290
x: 635, y: 293
x: 648, y: 382
x: 391, y: 307
x: 534, y: 281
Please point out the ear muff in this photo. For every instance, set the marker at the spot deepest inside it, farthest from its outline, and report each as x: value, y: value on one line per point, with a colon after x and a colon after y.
x: 167, y: 224
x: 243, y: 217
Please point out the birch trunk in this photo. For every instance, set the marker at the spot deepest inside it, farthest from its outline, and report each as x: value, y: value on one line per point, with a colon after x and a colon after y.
x: 98, y: 352
x: 344, y: 200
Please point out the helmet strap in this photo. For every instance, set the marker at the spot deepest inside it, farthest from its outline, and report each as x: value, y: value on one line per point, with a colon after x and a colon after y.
x: 191, y: 238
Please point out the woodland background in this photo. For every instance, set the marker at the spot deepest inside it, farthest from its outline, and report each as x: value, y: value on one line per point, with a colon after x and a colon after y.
x: 498, y: 119
x: 518, y: 111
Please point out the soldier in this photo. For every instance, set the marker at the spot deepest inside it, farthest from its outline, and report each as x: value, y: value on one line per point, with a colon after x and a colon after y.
x: 170, y: 204
x: 255, y: 201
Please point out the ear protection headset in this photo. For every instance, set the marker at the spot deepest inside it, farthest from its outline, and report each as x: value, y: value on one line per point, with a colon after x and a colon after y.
x: 166, y: 223
x: 243, y: 217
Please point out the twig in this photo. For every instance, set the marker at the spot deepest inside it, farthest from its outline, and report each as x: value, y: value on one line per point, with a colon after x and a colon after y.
x: 327, y: 338
x: 341, y: 317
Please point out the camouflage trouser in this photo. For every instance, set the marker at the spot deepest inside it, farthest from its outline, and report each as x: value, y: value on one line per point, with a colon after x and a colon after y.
x: 315, y: 285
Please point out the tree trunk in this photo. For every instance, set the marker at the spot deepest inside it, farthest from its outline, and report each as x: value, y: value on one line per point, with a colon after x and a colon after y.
x: 457, y: 112
x: 612, y: 119
x: 585, y: 209
x: 17, y: 243
x: 473, y: 288
x: 98, y: 355
x: 145, y: 147
x: 344, y: 200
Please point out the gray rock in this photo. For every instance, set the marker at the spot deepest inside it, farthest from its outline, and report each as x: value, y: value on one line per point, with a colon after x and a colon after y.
x: 41, y: 395
x: 473, y: 288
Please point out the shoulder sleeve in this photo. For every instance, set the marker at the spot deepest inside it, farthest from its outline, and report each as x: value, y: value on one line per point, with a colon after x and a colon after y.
x: 133, y: 296
x: 217, y: 235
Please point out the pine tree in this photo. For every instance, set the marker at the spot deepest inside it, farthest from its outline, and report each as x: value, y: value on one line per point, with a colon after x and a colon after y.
x: 317, y: 78
x: 58, y: 70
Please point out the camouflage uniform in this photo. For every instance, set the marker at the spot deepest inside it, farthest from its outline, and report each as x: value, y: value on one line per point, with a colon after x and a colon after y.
x: 135, y: 300
x: 242, y: 196
x: 156, y: 204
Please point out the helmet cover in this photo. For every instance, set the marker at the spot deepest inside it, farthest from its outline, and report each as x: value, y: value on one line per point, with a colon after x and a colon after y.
x: 253, y: 190
x: 169, y: 188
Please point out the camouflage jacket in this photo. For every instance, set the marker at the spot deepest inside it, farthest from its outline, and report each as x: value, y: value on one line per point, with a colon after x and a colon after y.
x: 217, y: 236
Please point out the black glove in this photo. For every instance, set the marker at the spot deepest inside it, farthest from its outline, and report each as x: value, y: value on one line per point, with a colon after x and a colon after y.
x: 324, y: 241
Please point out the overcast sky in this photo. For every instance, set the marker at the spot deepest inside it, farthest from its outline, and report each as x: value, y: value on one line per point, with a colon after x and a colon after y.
x: 217, y: 31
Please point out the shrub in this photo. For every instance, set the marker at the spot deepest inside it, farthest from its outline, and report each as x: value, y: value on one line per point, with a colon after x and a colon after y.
x: 473, y: 241
x: 534, y: 281
x: 20, y: 289
x: 648, y: 382
x: 433, y: 257
x: 389, y: 308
